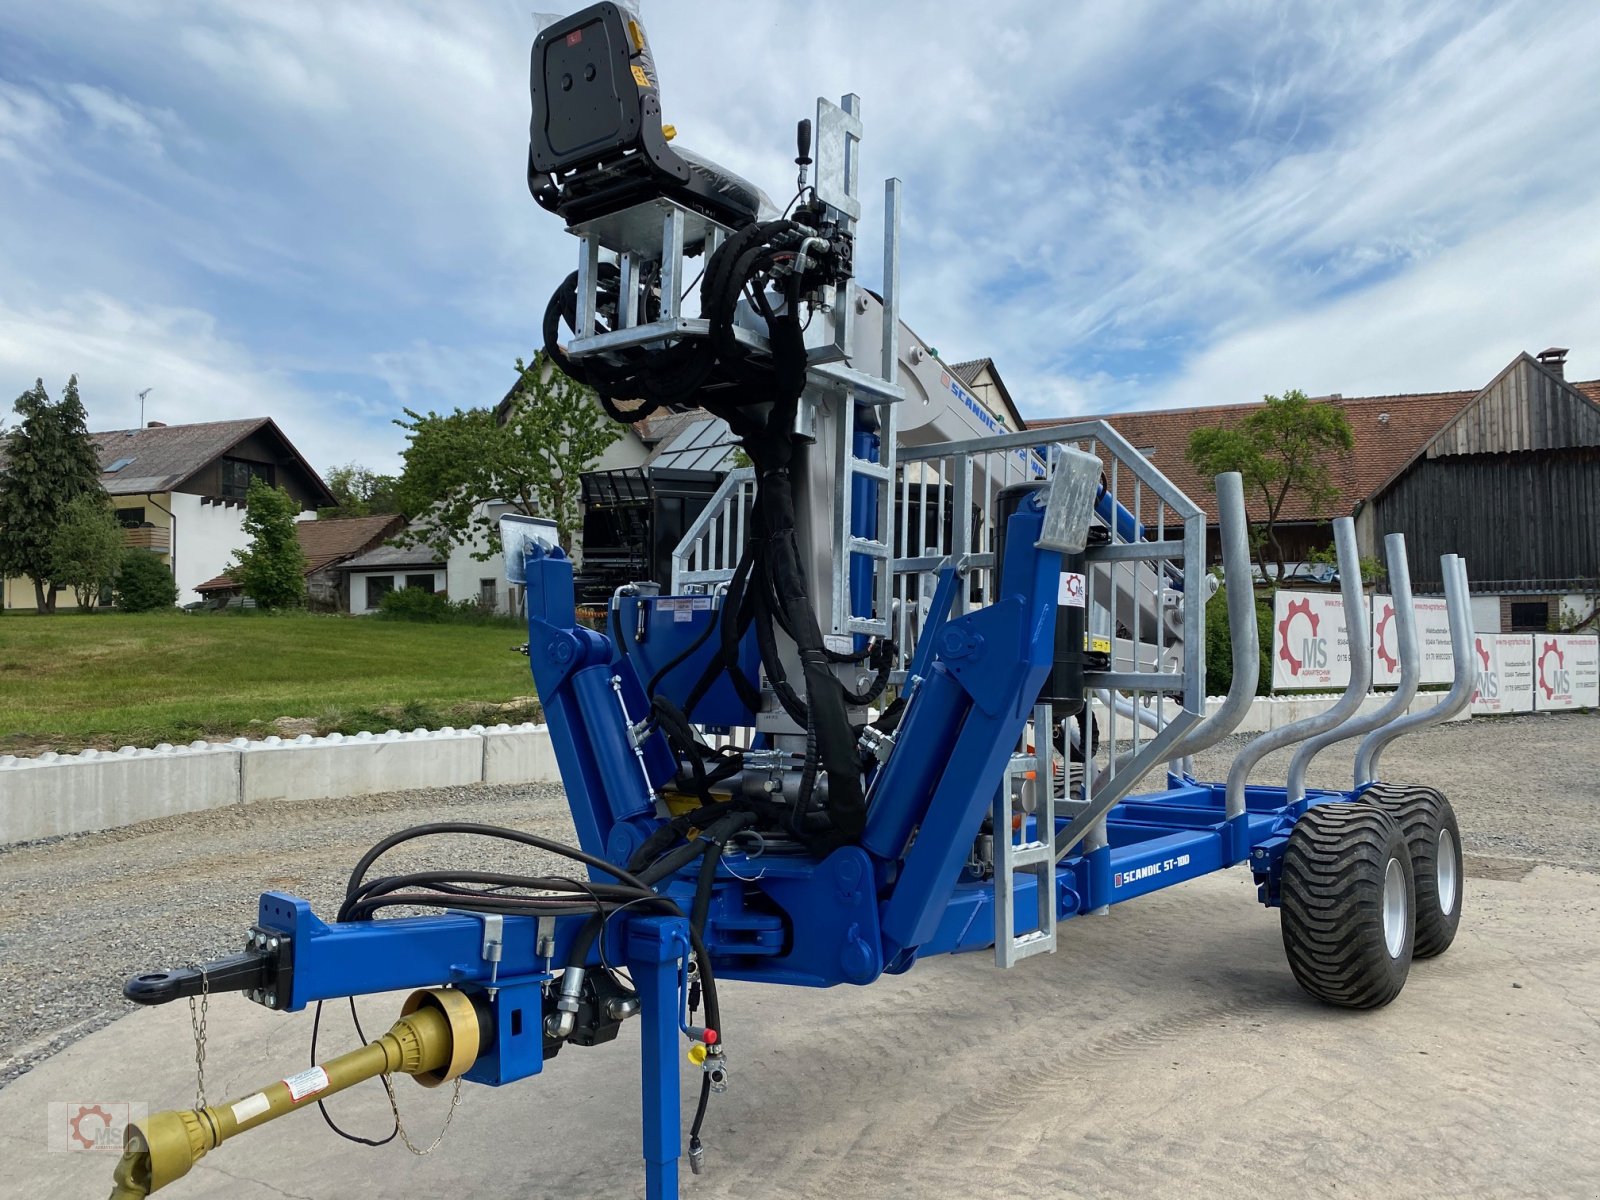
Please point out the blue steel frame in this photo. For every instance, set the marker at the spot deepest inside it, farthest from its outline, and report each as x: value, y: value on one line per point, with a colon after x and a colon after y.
x: 903, y: 892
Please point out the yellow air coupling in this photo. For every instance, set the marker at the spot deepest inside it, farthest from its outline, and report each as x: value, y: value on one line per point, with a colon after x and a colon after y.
x: 436, y: 1039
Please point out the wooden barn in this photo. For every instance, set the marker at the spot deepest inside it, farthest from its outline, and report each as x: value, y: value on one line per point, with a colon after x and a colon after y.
x: 1512, y: 483
x: 1507, y: 475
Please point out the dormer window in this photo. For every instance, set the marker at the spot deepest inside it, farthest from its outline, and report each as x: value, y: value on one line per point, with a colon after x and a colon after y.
x: 237, y: 474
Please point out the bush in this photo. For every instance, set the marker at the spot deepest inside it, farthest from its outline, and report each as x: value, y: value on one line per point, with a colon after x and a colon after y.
x: 1219, y: 646
x: 144, y: 583
x: 414, y: 604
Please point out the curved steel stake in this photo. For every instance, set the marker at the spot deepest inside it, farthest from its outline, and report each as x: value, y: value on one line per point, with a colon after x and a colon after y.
x: 1458, y: 601
x: 1344, y: 537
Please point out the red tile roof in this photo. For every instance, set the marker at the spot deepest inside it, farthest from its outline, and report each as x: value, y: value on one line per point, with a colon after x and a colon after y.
x: 1389, y: 431
x: 327, y: 542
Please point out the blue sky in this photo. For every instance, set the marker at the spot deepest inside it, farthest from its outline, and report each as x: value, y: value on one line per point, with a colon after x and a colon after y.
x: 316, y: 211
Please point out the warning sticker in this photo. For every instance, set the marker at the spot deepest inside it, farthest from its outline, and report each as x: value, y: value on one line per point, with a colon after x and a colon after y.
x: 251, y: 1107
x: 1071, y: 591
x: 307, y: 1083
x: 683, y: 608
x: 640, y: 77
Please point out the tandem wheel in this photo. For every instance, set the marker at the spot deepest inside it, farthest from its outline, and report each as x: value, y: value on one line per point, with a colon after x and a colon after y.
x: 1348, y: 905
x: 1434, y: 839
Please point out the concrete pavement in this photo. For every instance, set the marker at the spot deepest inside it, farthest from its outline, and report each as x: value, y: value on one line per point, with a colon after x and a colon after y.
x: 1164, y: 1051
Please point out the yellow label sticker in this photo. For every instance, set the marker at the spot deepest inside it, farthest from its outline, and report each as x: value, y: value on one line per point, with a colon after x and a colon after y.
x: 1099, y: 645
x: 639, y: 76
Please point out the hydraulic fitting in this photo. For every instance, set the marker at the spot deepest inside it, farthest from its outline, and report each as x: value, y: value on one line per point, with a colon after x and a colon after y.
x: 559, y: 1024
x: 438, y: 1036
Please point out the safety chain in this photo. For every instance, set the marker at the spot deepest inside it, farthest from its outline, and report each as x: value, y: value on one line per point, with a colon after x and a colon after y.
x: 455, y: 1099
x: 197, y: 1023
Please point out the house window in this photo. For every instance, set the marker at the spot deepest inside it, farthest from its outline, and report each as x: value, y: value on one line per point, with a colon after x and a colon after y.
x: 1530, y: 616
x: 488, y: 594
x: 130, y: 518
x: 378, y: 586
x: 423, y: 583
x: 237, y: 474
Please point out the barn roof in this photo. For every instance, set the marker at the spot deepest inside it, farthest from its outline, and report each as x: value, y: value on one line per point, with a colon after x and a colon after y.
x: 1389, y: 432
x: 327, y: 542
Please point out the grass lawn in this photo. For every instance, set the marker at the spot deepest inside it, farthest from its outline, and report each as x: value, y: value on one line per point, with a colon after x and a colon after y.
x: 113, y: 679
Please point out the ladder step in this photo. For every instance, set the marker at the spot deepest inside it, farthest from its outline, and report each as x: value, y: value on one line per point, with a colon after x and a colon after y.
x: 1033, y: 854
x: 868, y: 546
x: 1030, y: 944
x: 865, y: 466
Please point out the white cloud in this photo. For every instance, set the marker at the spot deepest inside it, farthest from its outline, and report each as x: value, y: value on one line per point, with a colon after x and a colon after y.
x: 27, y: 122
x: 323, y: 207
x: 196, y: 375
x: 1451, y: 323
x: 119, y: 116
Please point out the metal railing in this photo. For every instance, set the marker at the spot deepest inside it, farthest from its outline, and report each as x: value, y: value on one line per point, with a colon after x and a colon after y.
x: 709, y: 550
x: 1146, y: 591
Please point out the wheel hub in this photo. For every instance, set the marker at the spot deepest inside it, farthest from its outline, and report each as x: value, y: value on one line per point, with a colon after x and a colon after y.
x: 1448, y: 883
x: 1394, y: 907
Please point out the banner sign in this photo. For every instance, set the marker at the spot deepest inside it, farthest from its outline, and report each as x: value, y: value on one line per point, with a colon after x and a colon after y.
x: 1310, y: 642
x: 1505, y: 673
x: 1566, y: 672
x: 1433, y: 630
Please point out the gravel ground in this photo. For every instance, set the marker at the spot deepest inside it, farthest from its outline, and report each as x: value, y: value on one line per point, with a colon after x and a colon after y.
x: 79, y: 915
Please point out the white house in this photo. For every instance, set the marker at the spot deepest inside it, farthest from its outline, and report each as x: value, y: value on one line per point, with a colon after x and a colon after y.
x: 179, y: 492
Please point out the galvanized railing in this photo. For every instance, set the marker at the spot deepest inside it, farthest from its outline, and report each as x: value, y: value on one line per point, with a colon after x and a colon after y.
x: 1146, y: 592
x: 709, y: 550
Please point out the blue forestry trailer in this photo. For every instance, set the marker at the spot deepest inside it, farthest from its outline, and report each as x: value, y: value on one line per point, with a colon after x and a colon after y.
x: 892, y: 702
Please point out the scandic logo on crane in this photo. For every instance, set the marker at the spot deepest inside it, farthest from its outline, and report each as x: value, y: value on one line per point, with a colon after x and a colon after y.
x: 1313, y: 649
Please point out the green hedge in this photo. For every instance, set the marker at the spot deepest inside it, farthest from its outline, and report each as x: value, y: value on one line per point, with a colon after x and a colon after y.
x: 434, y: 608
x: 1219, y: 646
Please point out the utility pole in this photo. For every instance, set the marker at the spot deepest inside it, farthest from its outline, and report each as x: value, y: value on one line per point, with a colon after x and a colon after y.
x: 142, y: 395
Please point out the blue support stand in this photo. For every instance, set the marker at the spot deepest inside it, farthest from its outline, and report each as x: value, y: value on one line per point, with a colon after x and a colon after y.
x: 656, y: 945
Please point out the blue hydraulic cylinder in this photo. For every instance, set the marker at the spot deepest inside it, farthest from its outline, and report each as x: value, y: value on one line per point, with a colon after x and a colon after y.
x: 901, y: 793
x: 587, y: 702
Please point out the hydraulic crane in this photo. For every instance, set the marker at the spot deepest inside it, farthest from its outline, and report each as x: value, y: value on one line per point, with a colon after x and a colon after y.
x: 893, y: 702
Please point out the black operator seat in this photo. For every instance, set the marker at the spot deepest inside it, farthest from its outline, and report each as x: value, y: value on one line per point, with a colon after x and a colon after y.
x: 596, y: 143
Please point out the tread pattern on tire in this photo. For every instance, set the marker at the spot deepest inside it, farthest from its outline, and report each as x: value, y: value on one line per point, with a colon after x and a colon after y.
x: 1332, y: 904
x: 1421, y: 813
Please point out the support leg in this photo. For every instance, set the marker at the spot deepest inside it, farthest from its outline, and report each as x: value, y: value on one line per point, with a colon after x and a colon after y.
x: 656, y: 945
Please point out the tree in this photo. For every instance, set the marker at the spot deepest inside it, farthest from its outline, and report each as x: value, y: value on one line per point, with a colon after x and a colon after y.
x: 86, y: 548
x: 1282, y: 449
x: 49, y: 462
x: 455, y: 463
x: 360, y: 492
x: 272, y: 568
x: 144, y: 583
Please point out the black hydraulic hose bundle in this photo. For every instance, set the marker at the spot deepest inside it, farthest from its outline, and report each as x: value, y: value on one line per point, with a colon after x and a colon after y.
x: 757, y: 394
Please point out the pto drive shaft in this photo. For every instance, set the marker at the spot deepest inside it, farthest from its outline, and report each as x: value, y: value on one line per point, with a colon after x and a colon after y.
x: 438, y: 1036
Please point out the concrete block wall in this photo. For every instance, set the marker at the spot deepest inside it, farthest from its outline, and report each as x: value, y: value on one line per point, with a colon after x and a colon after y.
x: 56, y: 794
x: 308, y: 768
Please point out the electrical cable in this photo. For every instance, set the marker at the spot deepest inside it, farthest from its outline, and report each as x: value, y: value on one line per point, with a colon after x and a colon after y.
x: 316, y: 1026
